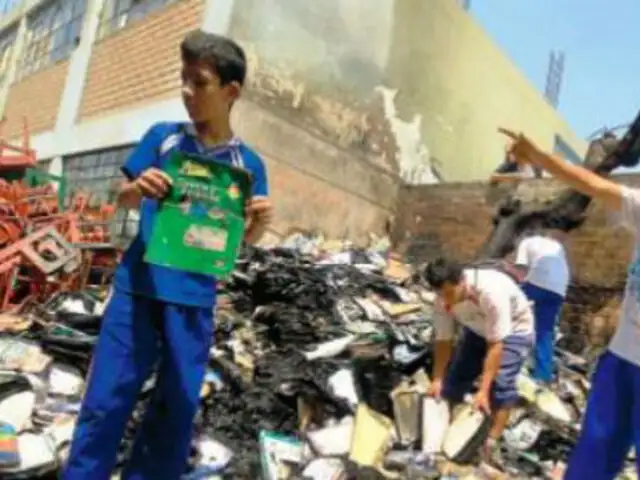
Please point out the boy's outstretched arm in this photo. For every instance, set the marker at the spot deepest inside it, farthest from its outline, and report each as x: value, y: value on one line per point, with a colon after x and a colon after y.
x: 576, y: 177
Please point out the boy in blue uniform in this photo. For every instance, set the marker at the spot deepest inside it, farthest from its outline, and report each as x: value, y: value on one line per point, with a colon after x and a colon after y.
x: 611, y: 423
x: 159, y: 316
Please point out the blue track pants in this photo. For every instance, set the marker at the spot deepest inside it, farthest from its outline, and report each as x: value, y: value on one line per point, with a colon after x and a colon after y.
x: 546, y: 309
x: 611, y: 424
x: 137, y: 334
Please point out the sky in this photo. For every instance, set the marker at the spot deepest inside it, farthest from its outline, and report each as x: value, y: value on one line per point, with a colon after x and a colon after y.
x: 601, y: 83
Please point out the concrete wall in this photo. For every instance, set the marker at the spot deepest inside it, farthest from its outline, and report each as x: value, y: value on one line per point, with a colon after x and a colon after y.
x: 327, y: 143
x: 423, y: 70
x: 316, y: 185
x: 452, y: 73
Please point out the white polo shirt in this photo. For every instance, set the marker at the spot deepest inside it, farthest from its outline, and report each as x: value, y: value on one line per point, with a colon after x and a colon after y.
x: 626, y: 341
x: 547, y: 264
x: 496, y: 308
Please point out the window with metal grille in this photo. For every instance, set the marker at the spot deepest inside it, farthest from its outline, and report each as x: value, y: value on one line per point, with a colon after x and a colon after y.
x: 7, y: 40
x: 99, y: 173
x: 117, y: 14
x: 53, y: 33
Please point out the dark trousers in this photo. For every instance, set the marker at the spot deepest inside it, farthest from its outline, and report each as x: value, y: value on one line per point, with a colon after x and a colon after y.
x: 468, y: 361
x: 611, y: 423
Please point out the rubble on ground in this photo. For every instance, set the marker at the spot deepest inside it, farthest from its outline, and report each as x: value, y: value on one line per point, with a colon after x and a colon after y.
x: 319, y: 368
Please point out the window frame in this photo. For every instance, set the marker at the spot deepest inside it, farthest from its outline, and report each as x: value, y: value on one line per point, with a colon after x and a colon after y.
x: 53, y: 33
x: 117, y: 15
x: 98, y: 171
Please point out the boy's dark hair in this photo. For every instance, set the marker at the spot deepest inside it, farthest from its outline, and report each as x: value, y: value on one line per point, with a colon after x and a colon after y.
x: 224, y: 56
x: 441, y: 271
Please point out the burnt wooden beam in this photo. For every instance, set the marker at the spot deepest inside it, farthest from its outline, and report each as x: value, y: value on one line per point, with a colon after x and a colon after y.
x: 567, y: 211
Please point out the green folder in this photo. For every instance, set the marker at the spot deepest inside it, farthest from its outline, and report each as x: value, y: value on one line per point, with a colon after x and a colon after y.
x: 199, y: 227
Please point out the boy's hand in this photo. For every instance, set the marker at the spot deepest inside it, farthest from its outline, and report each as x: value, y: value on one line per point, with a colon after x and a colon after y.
x: 481, y: 402
x: 522, y: 149
x: 435, y: 389
x: 259, y: 211
x: 153, y: 183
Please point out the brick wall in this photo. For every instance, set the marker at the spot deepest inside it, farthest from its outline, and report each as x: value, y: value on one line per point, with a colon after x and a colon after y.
x: 37, y: 97
x: 453, y: 219
x: 141, y: 62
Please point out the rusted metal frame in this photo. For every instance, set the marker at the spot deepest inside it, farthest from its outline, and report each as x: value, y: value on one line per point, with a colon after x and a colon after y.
x: 30, y: 248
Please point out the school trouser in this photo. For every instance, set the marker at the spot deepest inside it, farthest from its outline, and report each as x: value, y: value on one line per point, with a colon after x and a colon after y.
x: 137, y: 334
x: 546, y: 309
x: 611, y: 423
x: 468, y: 360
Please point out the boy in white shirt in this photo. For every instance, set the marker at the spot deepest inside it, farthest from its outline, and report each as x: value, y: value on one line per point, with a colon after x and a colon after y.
x: 612, y: 421
x: 546, y: 282
x: 496, y: 339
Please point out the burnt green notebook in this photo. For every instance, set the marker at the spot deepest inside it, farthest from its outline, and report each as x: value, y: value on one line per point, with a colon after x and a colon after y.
x: 199, y: 227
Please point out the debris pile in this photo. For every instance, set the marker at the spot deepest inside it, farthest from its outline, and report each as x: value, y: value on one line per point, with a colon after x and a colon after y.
x: 56, y: 259
x: 45, y: 247
x: 327, y: 362
x: 319, y: 370
x: 49, y: 241
x: 44, y: 357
